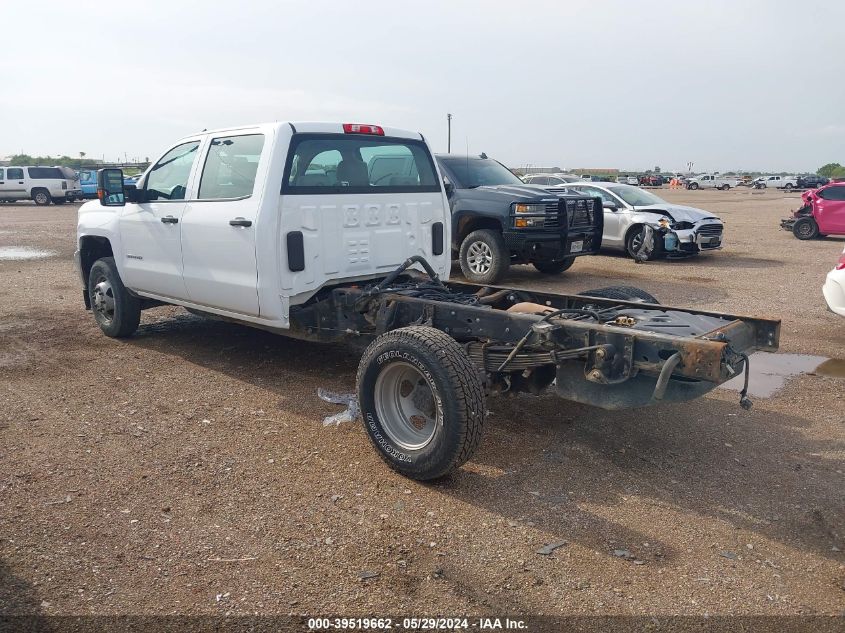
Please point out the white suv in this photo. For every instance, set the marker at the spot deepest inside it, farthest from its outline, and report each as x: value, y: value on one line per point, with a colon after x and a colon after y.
x: 41, y: 184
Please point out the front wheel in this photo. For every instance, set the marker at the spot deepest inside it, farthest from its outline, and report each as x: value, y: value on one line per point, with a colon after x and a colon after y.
x: 422, y: 402
x: 693, y: 186
x: 725, y: 187
x: 484, y: 257
x: 805, y: 229
x: 117, y: 312
x: 634, y: 242
x: 554, y: 267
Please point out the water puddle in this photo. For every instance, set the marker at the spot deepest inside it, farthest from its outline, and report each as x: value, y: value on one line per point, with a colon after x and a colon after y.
x: 22, y: 252
x: 769, y: 372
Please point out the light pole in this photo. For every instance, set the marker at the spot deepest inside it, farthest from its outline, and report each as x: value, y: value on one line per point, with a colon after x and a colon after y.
x: 448, y: 133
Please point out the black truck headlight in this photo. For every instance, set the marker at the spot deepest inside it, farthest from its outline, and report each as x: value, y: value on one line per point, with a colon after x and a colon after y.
x: 522, y: 208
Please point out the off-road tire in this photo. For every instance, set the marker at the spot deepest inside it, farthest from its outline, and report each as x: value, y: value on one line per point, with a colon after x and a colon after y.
x: 623, y: 293
x: 554, y: 267
x: 457, y: 398
x: 126, y: 313
x: 805, y: 229
x: 500, y: 258
x: 629, y: 243
x: 41, y: 197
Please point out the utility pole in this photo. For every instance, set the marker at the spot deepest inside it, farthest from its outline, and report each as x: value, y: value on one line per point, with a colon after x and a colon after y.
x: 448, y: 133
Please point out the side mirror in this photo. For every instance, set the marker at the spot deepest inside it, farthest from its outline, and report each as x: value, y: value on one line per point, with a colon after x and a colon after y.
x: 609, y: 204
x: 448, y: 186
x: 110, y: 187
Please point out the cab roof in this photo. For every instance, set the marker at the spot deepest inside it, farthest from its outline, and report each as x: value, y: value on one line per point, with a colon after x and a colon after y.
x: 309, y: 127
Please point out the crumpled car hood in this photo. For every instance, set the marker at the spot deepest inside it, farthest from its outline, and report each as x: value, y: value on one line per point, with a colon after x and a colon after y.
x: 678, y: 212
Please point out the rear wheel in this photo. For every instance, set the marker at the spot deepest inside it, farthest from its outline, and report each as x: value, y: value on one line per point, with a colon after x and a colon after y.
x: 115, y: 310
x: 623, y: 293
x: 805, y: 229
x: 789, y: 185
x: 421, y: 400
x: 554, y: 267
x: 41, y: 197
x: 484, y: 257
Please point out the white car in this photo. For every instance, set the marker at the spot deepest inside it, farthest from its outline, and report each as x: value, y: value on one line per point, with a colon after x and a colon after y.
x: 41, y: 184
x: 834, y: 287
x: 679, y: 231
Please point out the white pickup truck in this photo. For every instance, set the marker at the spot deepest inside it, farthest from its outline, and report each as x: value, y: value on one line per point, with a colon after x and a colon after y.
x: 776, y: 182
x: 288, y: 227
x: 709, y: 181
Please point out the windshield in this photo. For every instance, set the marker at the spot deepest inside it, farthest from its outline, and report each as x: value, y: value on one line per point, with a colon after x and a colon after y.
x: 635, y: 196
x: 480, y: 172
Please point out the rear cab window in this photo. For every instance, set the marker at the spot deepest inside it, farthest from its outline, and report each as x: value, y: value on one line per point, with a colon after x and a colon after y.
x: 230, y: 167
x: 348, y: 164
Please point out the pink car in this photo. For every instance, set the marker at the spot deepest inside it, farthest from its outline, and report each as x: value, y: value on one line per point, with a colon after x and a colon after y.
x: 823, y: 213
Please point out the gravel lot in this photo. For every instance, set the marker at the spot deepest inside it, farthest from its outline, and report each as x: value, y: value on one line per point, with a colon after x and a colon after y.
x: 186, y: 470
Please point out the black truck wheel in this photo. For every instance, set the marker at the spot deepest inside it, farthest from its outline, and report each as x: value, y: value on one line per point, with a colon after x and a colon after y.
x: 422, y: 402
x: 554, y: 268
x: 42, y: 197
x: 623, y: 293
x: 115, y: 310
x: 805, y: 229
x: 484, y: 257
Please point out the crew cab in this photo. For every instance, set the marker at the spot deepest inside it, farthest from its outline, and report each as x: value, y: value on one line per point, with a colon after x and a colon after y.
x: 308, y: 231
x: 498, y: 220
x: 777, y: 182
x: 709, y: 181
x: 43, y: 185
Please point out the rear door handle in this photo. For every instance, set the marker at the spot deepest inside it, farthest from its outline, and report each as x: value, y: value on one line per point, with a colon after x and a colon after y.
x: 169, y: 219
x: 240, y: 222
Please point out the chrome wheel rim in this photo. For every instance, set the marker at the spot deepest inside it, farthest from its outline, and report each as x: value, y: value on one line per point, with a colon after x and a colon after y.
x: 479, y: 257
x: 102, y: 300
x: 41, y: 197
x: 406, y: 406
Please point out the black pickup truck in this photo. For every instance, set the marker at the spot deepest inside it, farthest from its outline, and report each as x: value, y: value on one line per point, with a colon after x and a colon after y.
x: 497, y: 220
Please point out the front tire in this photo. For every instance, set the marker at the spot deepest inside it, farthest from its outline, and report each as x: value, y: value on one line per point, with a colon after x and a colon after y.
x: 484, y: 257
x: 554, y: 267
x: 693, y: 186
x: 41, y: 197
x: 805, y: 229
x: 634, y: 240
x: 422, y: 402
x: 117, y: 312
x: 725, y: 187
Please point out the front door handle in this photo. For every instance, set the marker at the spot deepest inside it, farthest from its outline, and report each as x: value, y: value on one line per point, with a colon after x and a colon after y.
x: 240, y: 222
x: 169, y: 219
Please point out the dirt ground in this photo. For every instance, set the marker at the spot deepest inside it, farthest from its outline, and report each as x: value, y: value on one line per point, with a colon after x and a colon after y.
x: 187, y: 469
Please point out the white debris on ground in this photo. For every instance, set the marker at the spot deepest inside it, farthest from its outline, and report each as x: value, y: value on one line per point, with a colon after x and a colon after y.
x: 350, y: 400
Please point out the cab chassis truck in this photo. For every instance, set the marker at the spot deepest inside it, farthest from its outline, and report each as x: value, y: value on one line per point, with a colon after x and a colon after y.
x: 432, y: 349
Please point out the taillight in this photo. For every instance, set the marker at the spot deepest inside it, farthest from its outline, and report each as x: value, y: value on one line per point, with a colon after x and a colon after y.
x: 360, y: 128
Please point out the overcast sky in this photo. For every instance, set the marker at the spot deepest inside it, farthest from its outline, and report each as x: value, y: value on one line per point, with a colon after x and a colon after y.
x: 727, y: 85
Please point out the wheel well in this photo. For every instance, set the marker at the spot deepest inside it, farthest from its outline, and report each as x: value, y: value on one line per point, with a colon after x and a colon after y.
x: 469, y: 224
x: 92, y: 248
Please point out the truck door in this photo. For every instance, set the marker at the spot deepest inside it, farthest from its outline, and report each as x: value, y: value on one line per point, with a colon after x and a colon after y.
x: 150, y: 230
x: 12, y: 186
x: 218, y: 227
x: 830, y: 210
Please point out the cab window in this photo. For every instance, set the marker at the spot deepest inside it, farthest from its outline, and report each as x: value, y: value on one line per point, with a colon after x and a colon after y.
x: 14, y: 173
x: 230, y: 167
x: 832, y: 193
x: 168, y: 178
x: 335, y: 163
x: 1, y: 174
